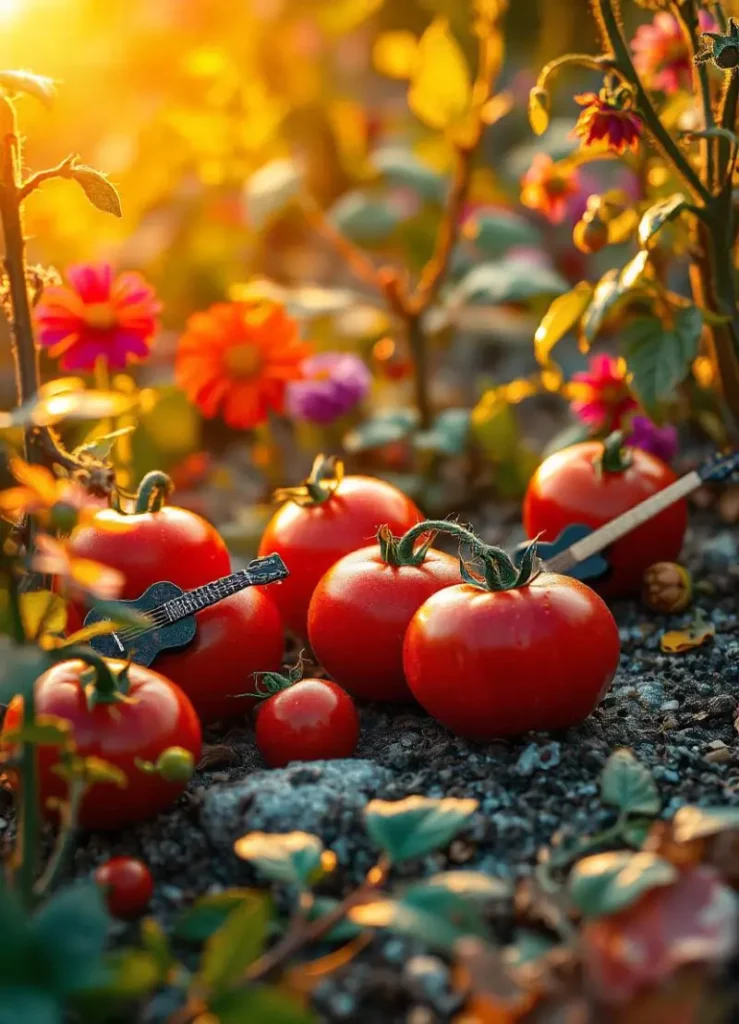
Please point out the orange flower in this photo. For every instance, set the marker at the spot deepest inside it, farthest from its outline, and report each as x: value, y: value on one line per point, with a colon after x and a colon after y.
x: 49, y: 499
x: 80, y: 577
x: 236, y: 358
x: 549, y: 187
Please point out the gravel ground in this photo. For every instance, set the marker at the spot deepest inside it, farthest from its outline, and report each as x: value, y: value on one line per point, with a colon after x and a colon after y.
x: 676, y: 712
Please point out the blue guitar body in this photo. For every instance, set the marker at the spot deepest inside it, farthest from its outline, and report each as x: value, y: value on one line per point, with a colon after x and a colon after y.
x: 145, y: 646
x: 592, y: 568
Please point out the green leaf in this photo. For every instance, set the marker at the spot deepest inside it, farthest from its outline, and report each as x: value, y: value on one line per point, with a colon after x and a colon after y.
x: 39, y: 86
x: 269, y: 191
x: 71, y: 930
x: 527, y: 947
x: 16, y: 960
x: 413, y: 827
x: 380, y: 430
x: 400, y: 166
x: 398, y: 916
x: 612, y: 288
x: 101, y: 446
x: 634, y: 833
x: 20, y: 667
x: 440, y: 91
x: 236, y: 944
x: 701, y: 822
x: 129, y: 974
x: 281, y: 857
x: 207, y: 915
x: 658, y: 357
x: 494, y: 233
x: 628, y: 785
x: 120, y: 613
x: 259, y: 1004
x: 304, y: 303
x: 101, y: 192
x: 609, y: 882
x: 448, y: 435
x: 456, y: 896
x: 512, y: 280
x: 364, y: 219
x: 20, y: 1005
x: 563, y: 314
x: 539, y: 105
x: 654, y: 219
x: 45, y: 730
x: 155, y: 942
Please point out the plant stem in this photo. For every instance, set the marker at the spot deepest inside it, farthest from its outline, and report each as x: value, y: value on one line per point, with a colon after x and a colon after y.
x: 687, y: 17
x: 64, y: 842
x: 727, y: 120
x: 26, y: 851
x: 419, y: 351
x: 606, y: 14
x: 24, y: 346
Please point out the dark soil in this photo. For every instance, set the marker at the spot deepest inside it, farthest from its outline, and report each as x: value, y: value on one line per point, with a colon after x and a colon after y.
x: 676, y: 712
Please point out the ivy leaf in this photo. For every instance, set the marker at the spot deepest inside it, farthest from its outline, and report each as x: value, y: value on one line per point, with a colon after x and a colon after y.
x: 563, y: 314
x: 702, y: 822
x: 101, y: 192
x: 413, y: 827
x: 281, y: 857
x: 659, y: 357
x: 400, y: 166
x: 658, y: 215
x: 207, y: 915
x: 628, y: 785
x: 441, y: 89
x: 609, y: 882
x: 259, y: 1003
x: 70, y: 931
x: 269, y: 191
x: 39, y: 86
x: 236, y: 944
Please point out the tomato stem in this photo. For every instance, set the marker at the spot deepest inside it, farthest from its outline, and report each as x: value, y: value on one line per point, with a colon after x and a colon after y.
x: 321, y: 484
x: 615, y: 458
x: 267, y: 684
x: 403, y: 550
x: 107, y: 687
x: 153, y: 491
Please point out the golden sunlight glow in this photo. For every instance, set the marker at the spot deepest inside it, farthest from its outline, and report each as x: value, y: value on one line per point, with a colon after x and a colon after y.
x: 9, y: 9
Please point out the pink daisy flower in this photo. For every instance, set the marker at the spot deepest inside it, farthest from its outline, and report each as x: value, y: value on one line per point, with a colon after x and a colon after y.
x: 98, y: 316
x: 661, y: 54
x: 601, y: 395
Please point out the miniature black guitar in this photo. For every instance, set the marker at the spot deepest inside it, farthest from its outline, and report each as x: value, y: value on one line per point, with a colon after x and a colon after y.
x: 579, y: 550
x: 171, y: 612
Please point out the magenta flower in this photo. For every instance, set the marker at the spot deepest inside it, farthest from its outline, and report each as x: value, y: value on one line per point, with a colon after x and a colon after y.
x: 600, y: 395
x: 661, y: 54
x: 98, y: 316
x: 608, y: 121
x: 333, y: 383
x: 659, y: 441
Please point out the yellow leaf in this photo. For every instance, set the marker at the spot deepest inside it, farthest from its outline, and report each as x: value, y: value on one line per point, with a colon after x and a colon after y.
x: 341, y: 16
x: 539, y: 110
x: 497, y: 107
x: 42, y: 612
x: 395, y: 54
x: 440, y: 92
x: 560, y: 318
x: 679, y: 640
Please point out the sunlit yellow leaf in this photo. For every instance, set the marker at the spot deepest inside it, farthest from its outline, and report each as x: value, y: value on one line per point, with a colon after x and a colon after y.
x: 395, y: 54
x: 497, y: 107
x: 440, y: 91
x: 677, y: 641
x: 539, y: 110
x: 42, y: 612
x: 560, y: 318
x: 340, y: 16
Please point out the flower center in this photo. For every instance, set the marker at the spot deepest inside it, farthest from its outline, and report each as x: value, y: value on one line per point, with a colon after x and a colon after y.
x: 321, y: 375
x: 243, y: 360
x: 100, y: 315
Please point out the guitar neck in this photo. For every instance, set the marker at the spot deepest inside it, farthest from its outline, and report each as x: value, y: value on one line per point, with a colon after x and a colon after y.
x: 625, y: 523
x: 203, y: 597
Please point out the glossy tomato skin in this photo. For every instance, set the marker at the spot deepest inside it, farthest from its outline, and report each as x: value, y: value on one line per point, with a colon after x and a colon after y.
x: 360, y: 611
x: 128, y: 886
x: 312, y: 720
x: 311, y: 538
x: 234, y: 639
x: 568, y: 488
x: 172, y: 545
x: 156, y: 715
x: 498, y: 664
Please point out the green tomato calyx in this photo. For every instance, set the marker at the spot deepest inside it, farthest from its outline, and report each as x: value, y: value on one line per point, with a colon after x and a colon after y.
x: 321, y: 484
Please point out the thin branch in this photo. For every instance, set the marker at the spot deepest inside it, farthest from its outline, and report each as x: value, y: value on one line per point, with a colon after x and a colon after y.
x: 36, y: 180
x: 64, y: 843
x: 688, y: 20
x: 727, y: 119
x: 362, y: 267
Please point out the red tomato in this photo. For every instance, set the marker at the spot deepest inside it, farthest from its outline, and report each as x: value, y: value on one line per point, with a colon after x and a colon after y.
x: 360, y: 611
x: 311, y: 538
x: 155, y: 716
x: 568, y: 488
x: 234, y: 639
x: 311, y: 720
x: 128, y: 886
x: 490, y: 664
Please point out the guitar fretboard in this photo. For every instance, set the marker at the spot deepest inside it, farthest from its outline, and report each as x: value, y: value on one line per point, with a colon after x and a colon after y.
x: 623, y: 524
x: 261, y: 571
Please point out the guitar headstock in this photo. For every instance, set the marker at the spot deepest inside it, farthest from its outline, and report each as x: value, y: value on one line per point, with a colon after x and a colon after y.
x: 719, y: 468
x: 270, y: 569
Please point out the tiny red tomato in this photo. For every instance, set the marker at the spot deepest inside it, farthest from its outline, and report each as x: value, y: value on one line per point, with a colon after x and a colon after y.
x: 324, y: 522
x: 489, y: 664
x: 152, y: 716
x: 360, y: 611
x: 128, y: 886
x: 309, y: 720
x: 576, y: 486
x: 236, y: 638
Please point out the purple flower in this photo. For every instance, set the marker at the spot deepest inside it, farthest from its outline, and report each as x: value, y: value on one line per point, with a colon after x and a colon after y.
x: 659, y: 441
x: 333, y: 384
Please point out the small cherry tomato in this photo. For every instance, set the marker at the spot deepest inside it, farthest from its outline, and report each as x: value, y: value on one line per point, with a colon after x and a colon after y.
x: 361, y: 609
x: 580, y: 485
x: 307, y: 720
x: 324, y: 520
x: 128, y: 886
x: 125, y: 729
x: 235, y: 638
x: 489, y: 663
x: 156, y: 542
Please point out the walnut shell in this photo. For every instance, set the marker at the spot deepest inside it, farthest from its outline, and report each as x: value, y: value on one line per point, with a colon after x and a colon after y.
x: 667, y: 588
